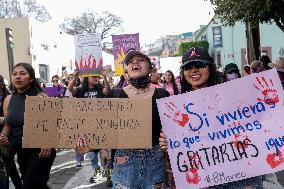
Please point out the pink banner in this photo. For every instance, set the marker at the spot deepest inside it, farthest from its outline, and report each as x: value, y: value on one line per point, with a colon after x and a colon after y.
x: 227, y: 132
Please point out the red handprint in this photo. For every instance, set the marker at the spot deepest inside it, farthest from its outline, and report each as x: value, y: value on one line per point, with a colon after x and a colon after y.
x: 270, y: 95
x: 241, y: 137
x: 274, y: 160
x: 192, y: 174
x: 180, y: 118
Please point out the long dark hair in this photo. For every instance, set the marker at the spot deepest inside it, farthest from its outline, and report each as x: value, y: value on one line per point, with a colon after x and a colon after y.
x: 121, y: 82
x: 34, y: 85
x: 173, y: 81
x: 85, y: 85
x: 5, y: 91
x: 212, y: 80
x: 266, y: 60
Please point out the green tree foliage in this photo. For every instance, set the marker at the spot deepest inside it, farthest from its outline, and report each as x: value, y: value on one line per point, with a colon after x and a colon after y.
x: 250, y: 11
x: 23, y: 8
x: 93, y: 22
x: 184, y: 46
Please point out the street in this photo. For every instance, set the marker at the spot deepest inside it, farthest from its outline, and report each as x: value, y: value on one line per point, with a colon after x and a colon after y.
x: 65, y: 176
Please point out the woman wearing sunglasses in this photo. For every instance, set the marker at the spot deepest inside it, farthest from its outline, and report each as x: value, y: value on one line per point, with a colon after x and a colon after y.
x: 56, y: 83
x: 199, y: 71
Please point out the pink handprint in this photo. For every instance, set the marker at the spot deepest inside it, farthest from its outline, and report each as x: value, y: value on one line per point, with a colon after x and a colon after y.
x: 270, y: 95
x: 173, y: 113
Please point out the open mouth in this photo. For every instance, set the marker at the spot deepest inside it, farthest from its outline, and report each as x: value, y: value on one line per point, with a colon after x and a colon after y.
x: 135, y: 68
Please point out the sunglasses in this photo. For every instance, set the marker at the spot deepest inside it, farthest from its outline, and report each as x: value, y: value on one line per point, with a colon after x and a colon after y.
x: 233, y: 71
x: 55, y: 81
x: 198, y: 65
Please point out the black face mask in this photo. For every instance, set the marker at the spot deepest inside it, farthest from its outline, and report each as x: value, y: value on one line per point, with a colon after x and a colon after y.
x: 141, y: 82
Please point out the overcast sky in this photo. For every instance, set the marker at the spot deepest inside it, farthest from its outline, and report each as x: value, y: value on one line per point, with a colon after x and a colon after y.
x: 150, y: 18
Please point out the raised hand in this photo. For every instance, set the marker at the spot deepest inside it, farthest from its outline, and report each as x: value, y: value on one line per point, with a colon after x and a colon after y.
x: 104, y: 73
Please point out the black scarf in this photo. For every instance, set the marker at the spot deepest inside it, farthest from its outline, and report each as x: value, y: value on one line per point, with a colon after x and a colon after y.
x: 140, y: 82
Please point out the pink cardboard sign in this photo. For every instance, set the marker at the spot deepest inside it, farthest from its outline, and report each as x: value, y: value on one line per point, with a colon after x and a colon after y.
x: 227, y: 132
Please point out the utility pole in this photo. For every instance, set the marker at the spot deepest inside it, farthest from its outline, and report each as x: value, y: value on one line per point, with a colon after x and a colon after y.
x: 253, y: 43
x: 10, y: 47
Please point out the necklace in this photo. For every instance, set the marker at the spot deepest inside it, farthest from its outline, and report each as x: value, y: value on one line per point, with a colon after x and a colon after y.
x: 135, y: 92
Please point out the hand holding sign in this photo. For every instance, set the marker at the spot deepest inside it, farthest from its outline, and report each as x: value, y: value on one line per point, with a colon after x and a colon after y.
x: 163, y: 142
x: 82, y: 146
x: 237, y: 136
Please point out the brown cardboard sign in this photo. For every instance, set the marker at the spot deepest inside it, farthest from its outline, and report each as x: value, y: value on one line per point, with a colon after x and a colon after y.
x: 103, y: 123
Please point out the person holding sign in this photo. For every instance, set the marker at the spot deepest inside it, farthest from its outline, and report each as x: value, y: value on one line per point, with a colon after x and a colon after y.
x: 91, y: 88
x: 199, y: 71
x: 133, y: 168
x: 35, y: 164
x: 145, y: 168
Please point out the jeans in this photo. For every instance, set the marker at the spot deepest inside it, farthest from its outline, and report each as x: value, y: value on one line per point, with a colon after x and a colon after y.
x: 139, y: 169
x: 94, y: 159
x: 257, y: 182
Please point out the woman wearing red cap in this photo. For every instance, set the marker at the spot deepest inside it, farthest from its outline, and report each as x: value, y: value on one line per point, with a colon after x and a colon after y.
x: 199, y: 71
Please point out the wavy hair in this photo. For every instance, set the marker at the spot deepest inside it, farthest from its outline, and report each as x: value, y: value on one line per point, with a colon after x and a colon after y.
x: 212, y: 80
x: 173, y: 82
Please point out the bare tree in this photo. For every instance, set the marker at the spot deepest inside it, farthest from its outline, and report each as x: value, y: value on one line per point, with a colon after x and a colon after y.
x: 93, y: 22
x: 25, y: 8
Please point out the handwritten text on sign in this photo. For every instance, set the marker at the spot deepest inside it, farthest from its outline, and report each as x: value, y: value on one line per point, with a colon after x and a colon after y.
x: 121, y: 44
x: 226, y: 132
x: 88, y: 54
x: 104, y: 123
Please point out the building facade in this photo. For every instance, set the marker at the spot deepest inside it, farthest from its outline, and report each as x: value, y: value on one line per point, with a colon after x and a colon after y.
x: 228, y: 44
x: 22, y: 45
x: 42, y: 45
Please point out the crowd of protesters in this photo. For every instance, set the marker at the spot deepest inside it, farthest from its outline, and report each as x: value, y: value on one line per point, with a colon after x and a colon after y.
x: 124, y: 168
